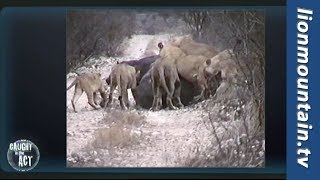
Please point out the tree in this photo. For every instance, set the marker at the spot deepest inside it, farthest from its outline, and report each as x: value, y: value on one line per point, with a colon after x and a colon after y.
x: 93, y: 33
x: 242, y: 31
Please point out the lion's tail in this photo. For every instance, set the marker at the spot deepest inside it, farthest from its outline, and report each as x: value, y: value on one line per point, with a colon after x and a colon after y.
x: 163, y: 81
x: 72, y: 84
x: 118, y: 82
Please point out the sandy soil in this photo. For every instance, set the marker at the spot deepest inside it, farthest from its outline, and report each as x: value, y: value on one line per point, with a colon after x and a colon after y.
x: 166, y: 139
x: 169, y: 136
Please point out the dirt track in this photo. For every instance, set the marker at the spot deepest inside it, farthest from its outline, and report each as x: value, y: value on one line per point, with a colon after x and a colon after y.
x: 166, y: 138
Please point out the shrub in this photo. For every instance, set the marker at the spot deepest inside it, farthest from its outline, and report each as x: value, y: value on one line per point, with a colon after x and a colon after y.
x: 93, y: 33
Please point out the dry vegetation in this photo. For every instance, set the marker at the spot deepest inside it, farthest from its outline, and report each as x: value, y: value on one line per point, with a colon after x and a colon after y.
x: 235, y: 142
x: 125, y: 119
x: 114, y: 136
x: 236, y: 112
x: 234, y: 116
x: 120, y: 133
x: 94, y: 33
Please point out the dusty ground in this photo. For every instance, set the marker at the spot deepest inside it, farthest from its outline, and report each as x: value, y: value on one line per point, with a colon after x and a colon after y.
x: 165, y: 138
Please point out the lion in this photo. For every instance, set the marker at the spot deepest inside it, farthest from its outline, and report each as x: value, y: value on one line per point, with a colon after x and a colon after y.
x: 225, y: 63
x: 164, y: 72
x: 191, y: 47
x: 125, y: 77
x: 192, y: 68
x: 90, y: 83
x: 171, y: 53
x: 153, y: 47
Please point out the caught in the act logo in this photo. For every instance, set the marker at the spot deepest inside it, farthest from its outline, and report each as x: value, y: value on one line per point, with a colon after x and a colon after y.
x: 23, y: 155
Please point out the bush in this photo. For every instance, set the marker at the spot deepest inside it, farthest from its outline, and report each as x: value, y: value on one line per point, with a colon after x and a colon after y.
x: 233, y: 144
x: 125, y: 119
x: 93, y: 33
x: 114, y: 136
x: 244, y: 32
x: 121, y: 131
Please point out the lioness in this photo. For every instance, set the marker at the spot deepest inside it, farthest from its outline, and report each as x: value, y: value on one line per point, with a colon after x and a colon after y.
x: 172, y: 53
x: 189, y: 46
x: 225, y: 63
x: 90, y: 83
x: 192, y: 68
x: 125, y: 77
x: 164, y: 72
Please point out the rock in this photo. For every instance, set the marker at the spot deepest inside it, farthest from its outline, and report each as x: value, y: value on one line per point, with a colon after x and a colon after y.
x: 261, y: 153
x: 69, y: 134
x: 137, y: 132
x: 155, y: 133
x: 95, y: 153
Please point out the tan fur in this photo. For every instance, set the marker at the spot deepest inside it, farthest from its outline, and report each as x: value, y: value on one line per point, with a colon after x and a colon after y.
x: 190, y: 67
x: 90, y: 83
x: 152, y: 48
x: 171, y: 53
x: 125, y: 77
x: 176, y: 41
x: 223, y: 62
x: 164, y: 72
x: 191, y: 47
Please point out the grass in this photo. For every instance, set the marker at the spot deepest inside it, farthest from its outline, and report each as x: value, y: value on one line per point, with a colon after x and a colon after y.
x: 238, y: 151
x: 114, y: 136
x: 121, y: 132
x: 124, y: 118
x: 236, y: 140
